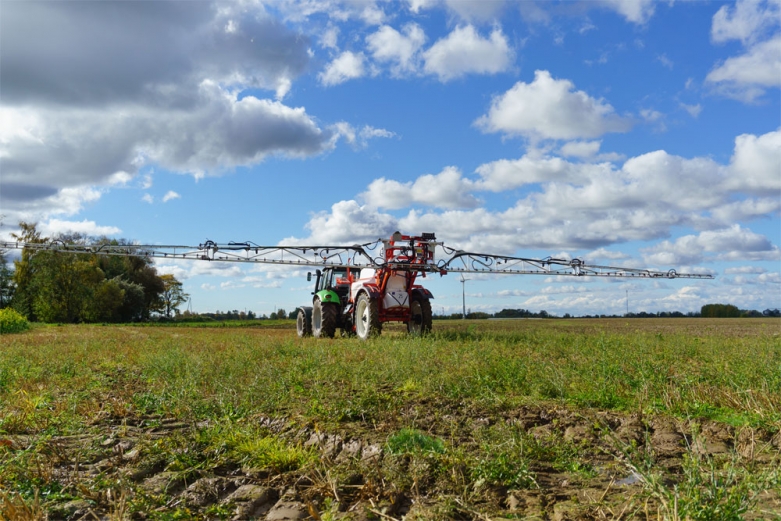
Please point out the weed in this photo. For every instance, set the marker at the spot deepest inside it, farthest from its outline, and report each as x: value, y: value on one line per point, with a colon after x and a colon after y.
x: 12, y: 322
x: 410, y: 441
x: 709, y: 488
x: 506, y: 469
x: 272, y: 453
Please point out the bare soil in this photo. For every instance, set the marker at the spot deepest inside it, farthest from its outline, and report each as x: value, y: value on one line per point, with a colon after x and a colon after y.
x: 354, y: 477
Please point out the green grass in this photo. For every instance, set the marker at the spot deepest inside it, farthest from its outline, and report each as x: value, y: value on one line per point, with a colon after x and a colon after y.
x: 408, y: 441
x: 414, y: 396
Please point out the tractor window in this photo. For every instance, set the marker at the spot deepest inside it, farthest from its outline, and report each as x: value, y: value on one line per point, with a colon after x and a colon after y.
x: 340, y: 277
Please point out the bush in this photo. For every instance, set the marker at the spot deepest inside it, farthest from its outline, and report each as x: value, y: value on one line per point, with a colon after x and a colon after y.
x: 12, y: 322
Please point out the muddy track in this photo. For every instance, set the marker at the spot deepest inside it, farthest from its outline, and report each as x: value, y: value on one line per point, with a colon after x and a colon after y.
x: 109, y: 469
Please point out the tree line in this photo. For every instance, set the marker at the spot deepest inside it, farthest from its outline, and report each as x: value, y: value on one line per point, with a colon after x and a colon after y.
x: 51, y: 286
x: 707, y: 311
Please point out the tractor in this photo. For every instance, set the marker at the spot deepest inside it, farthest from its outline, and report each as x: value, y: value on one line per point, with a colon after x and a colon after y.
x: 359, y: 300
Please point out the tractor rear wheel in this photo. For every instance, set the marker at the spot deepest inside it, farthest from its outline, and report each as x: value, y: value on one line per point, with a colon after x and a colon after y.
x: 420, y: 316
x: 303, y: 325
x: 324, y: 318
x: 367, y: 317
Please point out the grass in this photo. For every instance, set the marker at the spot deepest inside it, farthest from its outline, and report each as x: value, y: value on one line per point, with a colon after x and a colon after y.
x: 440, y: 406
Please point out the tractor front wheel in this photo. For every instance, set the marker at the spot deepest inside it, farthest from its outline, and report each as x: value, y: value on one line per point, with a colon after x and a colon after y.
x: 324, y: 318
x: 367, y: 317
x: 303, y: 324
x: 420, y: 316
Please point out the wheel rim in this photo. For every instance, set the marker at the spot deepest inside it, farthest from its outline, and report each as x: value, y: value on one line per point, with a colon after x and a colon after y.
x: 317, y: 317
x: 300, y: 324
x: 362, y: 316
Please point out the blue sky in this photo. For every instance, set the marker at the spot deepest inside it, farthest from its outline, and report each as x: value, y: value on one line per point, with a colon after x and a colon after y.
x: 625, y: 132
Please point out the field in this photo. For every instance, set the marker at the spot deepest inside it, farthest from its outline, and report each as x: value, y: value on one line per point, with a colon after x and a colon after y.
x: 514, y: 419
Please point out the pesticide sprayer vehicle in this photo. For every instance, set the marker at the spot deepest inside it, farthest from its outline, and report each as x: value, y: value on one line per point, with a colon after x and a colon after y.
x: 360, y: 287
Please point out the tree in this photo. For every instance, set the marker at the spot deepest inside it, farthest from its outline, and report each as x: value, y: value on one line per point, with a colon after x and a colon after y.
x: 133, y: 308
x: 719, y: 311
x: 7, y: 285
x: 142, y: 273
x: 63, y: 287
x: 173, y: 294
x: 24, y: 271
x: 105, y: 303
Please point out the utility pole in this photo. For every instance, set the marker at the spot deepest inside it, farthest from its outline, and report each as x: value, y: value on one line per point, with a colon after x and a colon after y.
x: 627, y: 302
x: 463, y: 296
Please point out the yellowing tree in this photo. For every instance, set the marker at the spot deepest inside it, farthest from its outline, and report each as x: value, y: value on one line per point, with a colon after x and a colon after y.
x: 173, y: 295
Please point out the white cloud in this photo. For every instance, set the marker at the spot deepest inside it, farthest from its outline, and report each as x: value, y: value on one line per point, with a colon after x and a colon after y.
x: 148, y: 198
x: 82, y: 146
x: 367, y: 11
x: 557, y: 290
x: 48, y: 51
x: 655, y: 118
x: 769, y: 278
x: 468, y: 10
x: 401, y: 50
x: 602, y: 253
x: 733, y: 243
x: 506, y: 174
x: 746, y: 20
x: 754, y: 270
x: 360, y: 138
x: 572, y: 205
x: 170, y: 195
x: 534, y: 12
x: 347, y: 223
x: 416, y: 6
x: 330, y: 38
x: 346, y: 66
x: 512, y: 293
x: 693, y: 110
x: 651, y: 115
x: 549, y: 108
x: 636, y: 11
x: 371, y: 14
x: 369, y: 132
x: 747, y: 209
x: 479, y: 10
x: 119, y: 179
x: 230, y: 284
x: 747, y: 76
x: 580, y: 148
x: 756, y: 164
x: 57, y: 226
x: 444, y: 190
x: 36, y: 203
x: 665, y: 61
x: 464, y: 51
x: 186, y: 269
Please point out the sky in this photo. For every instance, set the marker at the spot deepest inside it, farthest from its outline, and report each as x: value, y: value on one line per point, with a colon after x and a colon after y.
x: 623, y: 132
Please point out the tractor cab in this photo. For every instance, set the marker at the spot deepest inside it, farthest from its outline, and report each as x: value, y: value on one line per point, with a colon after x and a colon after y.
x: 334, y: 279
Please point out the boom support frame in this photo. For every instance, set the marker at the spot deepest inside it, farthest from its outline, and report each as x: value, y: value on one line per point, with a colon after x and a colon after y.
x: 400, y: 253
